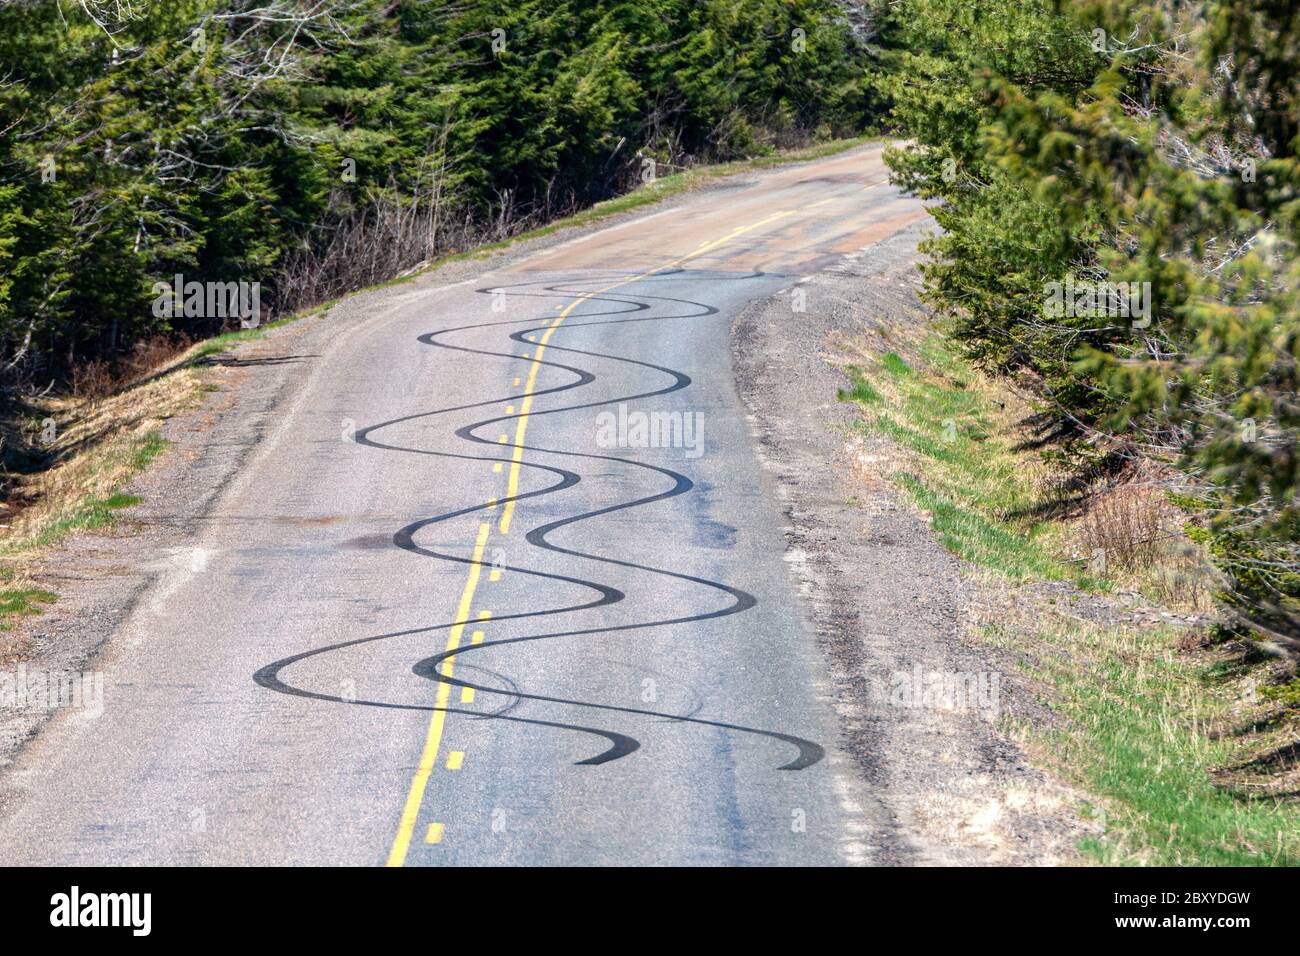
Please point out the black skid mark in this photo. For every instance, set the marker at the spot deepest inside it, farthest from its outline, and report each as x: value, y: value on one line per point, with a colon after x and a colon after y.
x: 809, y: 753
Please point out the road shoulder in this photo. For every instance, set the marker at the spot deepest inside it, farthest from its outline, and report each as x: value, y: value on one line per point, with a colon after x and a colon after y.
x: 888, y: 600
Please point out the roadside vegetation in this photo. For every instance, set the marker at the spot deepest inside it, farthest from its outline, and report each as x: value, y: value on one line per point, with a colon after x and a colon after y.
x: 86, y: 449
x: 318, y: 148
x: 72, y: 453
x: 1110, y: 406
x: 1108, y: 411
x: 981, y: 498
x: 1120, y: 225
x: 1179, y: 732
x: 1154, y: 728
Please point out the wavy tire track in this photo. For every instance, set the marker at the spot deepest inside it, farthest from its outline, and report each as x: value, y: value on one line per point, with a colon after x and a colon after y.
x: 619, y: 745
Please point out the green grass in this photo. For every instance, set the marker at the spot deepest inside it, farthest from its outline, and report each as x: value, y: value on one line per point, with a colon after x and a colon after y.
x: 220, y: 343
x: 92, y: 514
x: 894, y: 365
x: 966, y: 474
x: 1135, y: 733
x: 146, y: 450
x: 22, y: 602
x: 861, y: 392
x: 1133, y: 714
x: 988, y: 543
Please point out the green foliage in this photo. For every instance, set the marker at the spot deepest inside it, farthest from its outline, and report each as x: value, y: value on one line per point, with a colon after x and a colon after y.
x: 1128, y: 141
x: 1001, y: 242
x: 204, y: 139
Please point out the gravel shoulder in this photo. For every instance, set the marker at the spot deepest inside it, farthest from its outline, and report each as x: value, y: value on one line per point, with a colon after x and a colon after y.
x: 889, y: 601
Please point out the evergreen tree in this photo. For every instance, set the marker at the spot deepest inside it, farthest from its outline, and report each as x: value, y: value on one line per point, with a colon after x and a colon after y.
x: 1133, y: 144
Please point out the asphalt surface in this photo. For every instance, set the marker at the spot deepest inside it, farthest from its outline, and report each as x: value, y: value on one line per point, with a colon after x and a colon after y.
x: 455, y: 611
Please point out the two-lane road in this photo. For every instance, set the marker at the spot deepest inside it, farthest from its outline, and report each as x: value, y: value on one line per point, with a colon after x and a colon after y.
x: 504, y: 584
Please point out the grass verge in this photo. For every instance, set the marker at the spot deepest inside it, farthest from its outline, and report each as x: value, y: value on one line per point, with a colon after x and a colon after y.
x: 958, y: 462
x: 22, y: 602
x: 1147, y: 731
x: 94, y: 448
x: 1153, y: 724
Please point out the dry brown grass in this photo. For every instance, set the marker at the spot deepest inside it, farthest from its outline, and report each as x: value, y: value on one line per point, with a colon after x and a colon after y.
x: 99, y: 379
x: 100, y: 441
x: 94, y: 380
x: 1126, y: 527
x: 98, y: 444
x: 1135, y: 533
x: 977, y: 444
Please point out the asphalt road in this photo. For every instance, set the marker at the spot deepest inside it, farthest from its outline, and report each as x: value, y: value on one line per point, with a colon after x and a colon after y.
x: 504, y: 584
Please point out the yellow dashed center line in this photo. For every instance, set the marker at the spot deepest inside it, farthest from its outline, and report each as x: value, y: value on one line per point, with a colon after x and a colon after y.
x: 822, y: 202
x: 526, y: 406
x: 433, y: 738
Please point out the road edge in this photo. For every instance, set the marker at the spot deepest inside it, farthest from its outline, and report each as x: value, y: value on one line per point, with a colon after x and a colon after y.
x: 886, y: 597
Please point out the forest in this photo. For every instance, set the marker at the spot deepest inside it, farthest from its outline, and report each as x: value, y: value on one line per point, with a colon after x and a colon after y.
x: 1122, y: 147
x: 317, y: 147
